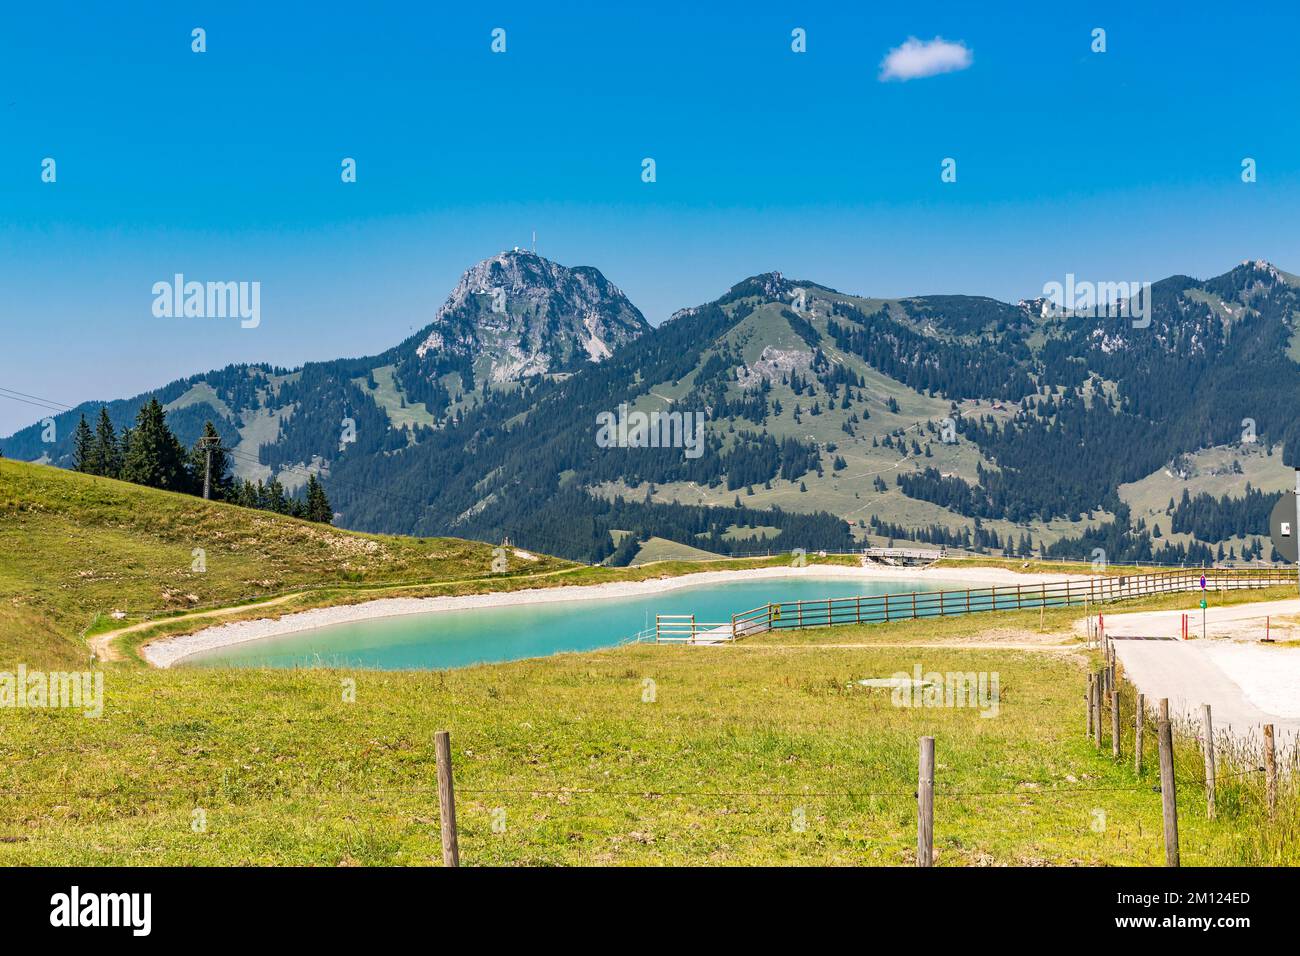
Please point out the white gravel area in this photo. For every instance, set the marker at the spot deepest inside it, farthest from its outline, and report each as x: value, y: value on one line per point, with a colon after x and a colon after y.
x: 164, y: 652
x: 1269, y: 677
x: 1246, y: 683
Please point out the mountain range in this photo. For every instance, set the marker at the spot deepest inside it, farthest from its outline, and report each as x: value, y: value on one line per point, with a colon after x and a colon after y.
x: 831, y: 419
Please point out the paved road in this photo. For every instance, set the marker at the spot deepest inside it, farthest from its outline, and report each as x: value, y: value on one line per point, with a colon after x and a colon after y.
x: 1192, y: 673
x: 1246, y: 684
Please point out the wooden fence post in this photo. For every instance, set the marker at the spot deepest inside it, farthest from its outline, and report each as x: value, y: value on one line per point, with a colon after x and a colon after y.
x: 1098, y: 697
x: 1139, y: 720
x: 925, y: 805
x: 446, y: 800
x: 1270, y: 769
x: 1091, y: 680
x: 1168, y: 796
x: 1114, y: 724
x: 1208, y: 730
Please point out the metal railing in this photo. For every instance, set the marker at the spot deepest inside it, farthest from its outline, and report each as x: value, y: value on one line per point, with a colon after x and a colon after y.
x: 882, y: 608
x: 685, y: 629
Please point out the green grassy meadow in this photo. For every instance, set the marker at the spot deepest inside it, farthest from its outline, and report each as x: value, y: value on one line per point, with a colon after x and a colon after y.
x: 768, y: 751
x: 732, y: 756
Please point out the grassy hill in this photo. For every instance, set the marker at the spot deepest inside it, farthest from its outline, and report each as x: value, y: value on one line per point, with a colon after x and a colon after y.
x: 661, y: 549
x: 75, y: 548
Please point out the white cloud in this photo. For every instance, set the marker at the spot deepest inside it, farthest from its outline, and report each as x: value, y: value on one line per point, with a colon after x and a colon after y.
x: 917, y: 58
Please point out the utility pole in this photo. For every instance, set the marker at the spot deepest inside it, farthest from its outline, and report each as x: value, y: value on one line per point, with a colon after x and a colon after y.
x: 208, y: 442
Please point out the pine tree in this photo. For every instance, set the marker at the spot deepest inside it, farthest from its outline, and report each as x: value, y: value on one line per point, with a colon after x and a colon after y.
x: 318, y: 506
x: 83, y: 449
x: 123, y: 450
x: 155, y: 457
x: 275, y: 499
x: 107, y: 452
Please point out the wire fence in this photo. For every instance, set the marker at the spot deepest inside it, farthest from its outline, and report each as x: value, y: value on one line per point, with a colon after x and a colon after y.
x: 1246, y: 798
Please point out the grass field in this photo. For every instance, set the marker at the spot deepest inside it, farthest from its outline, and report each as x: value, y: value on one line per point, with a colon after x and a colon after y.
x: 764, y: 752
x: 739, y: 755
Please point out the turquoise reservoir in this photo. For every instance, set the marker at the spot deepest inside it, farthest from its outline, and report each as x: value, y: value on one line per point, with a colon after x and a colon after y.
x: 442, y: 639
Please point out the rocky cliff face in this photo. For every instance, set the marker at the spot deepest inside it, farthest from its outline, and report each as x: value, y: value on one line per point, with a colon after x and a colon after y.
x: 517, y: 315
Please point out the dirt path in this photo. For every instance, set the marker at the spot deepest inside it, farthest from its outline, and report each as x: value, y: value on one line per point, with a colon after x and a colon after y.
x: 104, y: 648
x: 1245, y: 685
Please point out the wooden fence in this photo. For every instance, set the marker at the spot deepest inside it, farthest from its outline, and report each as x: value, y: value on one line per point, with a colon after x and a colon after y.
x: 880, y: 608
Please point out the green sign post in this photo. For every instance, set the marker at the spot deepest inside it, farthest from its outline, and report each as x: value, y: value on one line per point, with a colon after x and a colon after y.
x: 1203, y: 607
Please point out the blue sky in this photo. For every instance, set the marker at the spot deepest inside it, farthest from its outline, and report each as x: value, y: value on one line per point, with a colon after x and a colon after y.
x: 225, y: 165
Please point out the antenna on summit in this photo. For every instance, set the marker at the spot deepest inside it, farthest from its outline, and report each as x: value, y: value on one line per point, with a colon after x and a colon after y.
x: 534, y: 242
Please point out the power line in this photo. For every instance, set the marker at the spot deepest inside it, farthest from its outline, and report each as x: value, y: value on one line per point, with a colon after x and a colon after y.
x: 17, y: 396
x: 303, y: 471
x: 48, y: 401
x: 39, y: 403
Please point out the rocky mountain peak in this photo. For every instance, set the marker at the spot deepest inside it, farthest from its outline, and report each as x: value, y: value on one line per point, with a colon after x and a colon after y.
x: 1261, y: 265
x: 518, y: 314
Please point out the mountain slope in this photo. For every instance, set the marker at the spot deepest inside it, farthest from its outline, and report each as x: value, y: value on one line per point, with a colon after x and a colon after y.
x: 847, y: 397
x: 830, y: 418
x: 549, y: 320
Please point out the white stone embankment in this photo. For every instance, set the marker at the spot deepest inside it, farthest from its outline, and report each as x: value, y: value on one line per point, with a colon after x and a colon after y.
x: 166, y: 651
